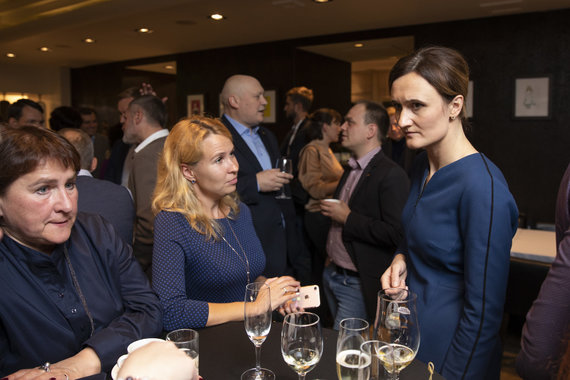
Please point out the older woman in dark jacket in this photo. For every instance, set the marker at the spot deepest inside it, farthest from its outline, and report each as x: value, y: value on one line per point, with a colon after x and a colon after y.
x: 72, y: 294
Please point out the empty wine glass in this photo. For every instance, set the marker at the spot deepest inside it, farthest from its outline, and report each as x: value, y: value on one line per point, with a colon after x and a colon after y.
x: 301, y: 342
x: 286, y: 166
x: 352, y: 333
x: 397, y: 325
x: 257, y: 321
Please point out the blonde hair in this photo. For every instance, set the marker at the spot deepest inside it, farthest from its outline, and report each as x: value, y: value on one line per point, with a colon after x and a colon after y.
x: 173, y: 192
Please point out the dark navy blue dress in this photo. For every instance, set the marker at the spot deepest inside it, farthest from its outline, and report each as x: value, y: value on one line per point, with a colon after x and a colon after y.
x: 190, y: 271
x: 459, y: 230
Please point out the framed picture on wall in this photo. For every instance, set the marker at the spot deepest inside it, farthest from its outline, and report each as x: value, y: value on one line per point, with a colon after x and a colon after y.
x: 195, y: 104
x: 269, y: 114
x: 532, y: 98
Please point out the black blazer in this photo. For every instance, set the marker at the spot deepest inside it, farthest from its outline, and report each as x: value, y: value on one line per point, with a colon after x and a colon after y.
x: 266, y: 211
x: 295, y: 189
x: 373, y: 228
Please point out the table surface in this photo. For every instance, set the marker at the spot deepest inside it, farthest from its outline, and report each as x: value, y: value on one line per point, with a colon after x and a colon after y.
x: 534, y: 245
x: 226, y: 352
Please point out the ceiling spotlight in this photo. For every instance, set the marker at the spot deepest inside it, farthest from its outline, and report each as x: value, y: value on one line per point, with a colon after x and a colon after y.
x: 44, y: 49
x: 217, y: 17
x: 358, y: 45
x: 88, y: 40
x: 322, y: 1
x: 10, y: 55
x: 143, y: 30
x: 169, y: 67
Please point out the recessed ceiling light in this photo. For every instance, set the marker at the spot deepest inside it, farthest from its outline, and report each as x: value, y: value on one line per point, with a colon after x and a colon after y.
x: 89, y: 40
x: 322, y: 1
x: 169, y: 67
x: 358, y: 45
x: 44, y: 49
x: 143, y: 30
x: 217, y: 17
x: 10, y: 55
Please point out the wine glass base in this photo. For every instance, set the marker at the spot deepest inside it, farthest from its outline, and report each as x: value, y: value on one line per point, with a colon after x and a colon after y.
x: 254, y: 374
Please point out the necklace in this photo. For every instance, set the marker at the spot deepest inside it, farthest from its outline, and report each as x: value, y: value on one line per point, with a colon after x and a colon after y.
x: 78, y: 289
x: 246, y: 262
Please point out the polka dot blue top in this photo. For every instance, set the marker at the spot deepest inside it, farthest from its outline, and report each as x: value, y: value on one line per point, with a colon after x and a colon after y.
x: 189, y: 271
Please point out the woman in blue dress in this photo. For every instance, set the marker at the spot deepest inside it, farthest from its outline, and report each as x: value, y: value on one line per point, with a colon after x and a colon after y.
x: 205, y: 246
x: 459, y: 221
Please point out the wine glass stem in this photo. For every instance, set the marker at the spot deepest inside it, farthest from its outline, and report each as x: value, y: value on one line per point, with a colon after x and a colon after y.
x: 302, y: 376
x: 258, y: 358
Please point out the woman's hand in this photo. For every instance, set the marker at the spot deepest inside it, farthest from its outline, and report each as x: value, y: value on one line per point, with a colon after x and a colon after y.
x: 159, y: 361
x: 283, y: 289
x: 85, y: 363
x: 395, y: 275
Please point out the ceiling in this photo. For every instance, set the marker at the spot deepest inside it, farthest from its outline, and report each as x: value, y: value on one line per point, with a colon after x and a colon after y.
x: 183, y: 25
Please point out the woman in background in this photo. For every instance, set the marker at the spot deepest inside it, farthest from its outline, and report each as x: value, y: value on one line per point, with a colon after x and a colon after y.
x: 319, y: 173
x: 459, y: 221
x: 205, y: 246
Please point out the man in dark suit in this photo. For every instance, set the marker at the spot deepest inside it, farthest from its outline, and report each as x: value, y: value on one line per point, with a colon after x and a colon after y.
x: 366, y: 228
x: 96, y: 196
x: 298, y: 102
x: 100, y: 142
x: 395, y: 145
x: 144, y: 127
x: 256, y: 150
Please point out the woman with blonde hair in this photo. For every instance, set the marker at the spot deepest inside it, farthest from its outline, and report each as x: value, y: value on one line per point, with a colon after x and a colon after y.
x: 205, y: 246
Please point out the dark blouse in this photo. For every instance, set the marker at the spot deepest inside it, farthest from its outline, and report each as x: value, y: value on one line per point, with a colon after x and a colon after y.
x: 41, y: 314
x: 190, y: 271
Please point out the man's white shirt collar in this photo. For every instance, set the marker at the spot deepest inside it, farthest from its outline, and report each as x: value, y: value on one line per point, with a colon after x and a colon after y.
x: 155, y: 136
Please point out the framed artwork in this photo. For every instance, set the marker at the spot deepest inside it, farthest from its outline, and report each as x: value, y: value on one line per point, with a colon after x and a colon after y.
x: 195, y: 104
x: 469, y: 100
x: 532, y: 98
x: 269, y: 114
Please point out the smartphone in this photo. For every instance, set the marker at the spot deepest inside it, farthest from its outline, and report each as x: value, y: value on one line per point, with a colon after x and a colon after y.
x: 309, y: 297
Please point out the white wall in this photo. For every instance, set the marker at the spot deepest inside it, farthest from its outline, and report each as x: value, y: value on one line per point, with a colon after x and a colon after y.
x: 48, y: 84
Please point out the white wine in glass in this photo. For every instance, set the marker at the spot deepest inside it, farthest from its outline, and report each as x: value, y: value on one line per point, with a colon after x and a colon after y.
x: 397, y: 325
x: 352, y: 333
x: 301, y: 342
x: 257, y: 321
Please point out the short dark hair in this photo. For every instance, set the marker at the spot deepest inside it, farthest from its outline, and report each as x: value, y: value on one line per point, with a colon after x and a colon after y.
x: 86, y: 111
x: 375, y: 113
x: 314, y: 130
x: 64, y: 117
x: 15, y: 109
x: 23, y: 149
x: 444, y: 68
x: 152, y: 107
x: 301, y: 95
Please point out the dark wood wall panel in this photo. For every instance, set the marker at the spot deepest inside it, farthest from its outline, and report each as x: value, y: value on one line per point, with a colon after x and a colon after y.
x: 531, y: 153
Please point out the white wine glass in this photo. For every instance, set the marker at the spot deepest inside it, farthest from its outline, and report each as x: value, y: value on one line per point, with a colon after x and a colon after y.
x: 352, y: 333
x: 301, y: 342
x: 397, y: 325
x: 286, y: 166
x: 257, y: 321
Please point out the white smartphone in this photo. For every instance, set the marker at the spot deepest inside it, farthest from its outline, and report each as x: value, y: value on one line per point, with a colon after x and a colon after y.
x: 309, y: 297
